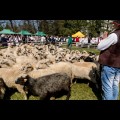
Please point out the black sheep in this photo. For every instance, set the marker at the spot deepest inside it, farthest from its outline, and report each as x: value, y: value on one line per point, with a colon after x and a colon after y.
x: 47, y: 86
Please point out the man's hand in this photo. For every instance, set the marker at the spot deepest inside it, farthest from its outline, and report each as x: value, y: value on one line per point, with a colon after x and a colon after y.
x: 105, y: 34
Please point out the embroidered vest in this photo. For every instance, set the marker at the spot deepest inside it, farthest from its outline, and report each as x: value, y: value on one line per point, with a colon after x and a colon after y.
x: 111, y: 56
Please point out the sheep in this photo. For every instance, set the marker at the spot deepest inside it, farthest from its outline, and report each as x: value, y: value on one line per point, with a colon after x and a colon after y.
x: 84, y: 73
x: 86, y: 64
x: 24, y: 59
x: 74, y: 71
x: 5, y: 63
x: 53, y: 68
x: 47, y: 86
x: 9, y: 75
x: 60, y: 67
x: 51, y: 58
x: 40, y: 72
x: 70, y: 69
x: 34, y: 55
x: 94, y: 67
x: 42, y: 64
x: 27, y: 67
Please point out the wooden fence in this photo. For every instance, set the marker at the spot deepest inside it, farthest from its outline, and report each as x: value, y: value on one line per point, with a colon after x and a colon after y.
x: 65, y: 43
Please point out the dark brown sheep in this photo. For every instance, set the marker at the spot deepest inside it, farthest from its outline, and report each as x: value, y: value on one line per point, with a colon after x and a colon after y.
x: 47, y: 86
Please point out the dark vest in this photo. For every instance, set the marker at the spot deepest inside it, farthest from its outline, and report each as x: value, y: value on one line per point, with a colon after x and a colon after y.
x: 111, y: 56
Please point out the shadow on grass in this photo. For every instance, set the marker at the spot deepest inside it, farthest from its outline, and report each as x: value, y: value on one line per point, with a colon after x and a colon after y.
x: 9, y: 92
x: 96, y: 91
x: 59, y: 95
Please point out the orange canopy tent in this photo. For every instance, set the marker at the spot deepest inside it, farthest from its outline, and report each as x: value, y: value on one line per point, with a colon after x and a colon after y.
x: 79, y: 34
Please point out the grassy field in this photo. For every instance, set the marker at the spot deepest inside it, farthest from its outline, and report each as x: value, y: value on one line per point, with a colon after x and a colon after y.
x: 79, y: 91
x: 94, y: 50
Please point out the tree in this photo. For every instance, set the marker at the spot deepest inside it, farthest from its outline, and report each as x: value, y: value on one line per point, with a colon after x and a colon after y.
x: 7, y: 26
x: 44, y: 27
x: 59, y: 27
x: 11, y: 24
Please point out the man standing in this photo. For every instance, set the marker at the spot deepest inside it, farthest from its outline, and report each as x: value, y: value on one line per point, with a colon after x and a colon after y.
x: 69, y: 45
x: 4, y: 40
x: 109, y: 59
x: 77, y: 41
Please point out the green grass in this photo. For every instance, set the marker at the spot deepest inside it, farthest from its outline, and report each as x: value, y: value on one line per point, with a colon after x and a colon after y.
x: 94, y: 50
x: 79, y: 91
x: 2, y: 47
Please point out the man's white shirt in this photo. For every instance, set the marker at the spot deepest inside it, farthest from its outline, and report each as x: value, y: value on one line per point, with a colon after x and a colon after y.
x: 107, y: 42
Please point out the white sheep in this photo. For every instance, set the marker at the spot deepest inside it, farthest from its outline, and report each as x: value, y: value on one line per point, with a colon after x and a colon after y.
x: 9, y: 75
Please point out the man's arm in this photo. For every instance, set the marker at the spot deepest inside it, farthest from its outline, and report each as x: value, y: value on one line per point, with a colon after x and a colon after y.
x: 107, y: 42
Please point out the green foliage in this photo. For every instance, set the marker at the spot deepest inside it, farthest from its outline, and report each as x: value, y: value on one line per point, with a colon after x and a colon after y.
x: 8, y: 26
x: 44, y: 27
x: 60, y: 27
x: 1, y: 28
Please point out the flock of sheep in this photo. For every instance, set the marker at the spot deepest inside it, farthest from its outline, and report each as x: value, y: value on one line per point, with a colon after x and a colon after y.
x: 44, y: 70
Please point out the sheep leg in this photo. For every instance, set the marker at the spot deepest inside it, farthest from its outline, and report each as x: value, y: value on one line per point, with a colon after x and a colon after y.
x: 69, y: 93
x: 43, y: 96
x: 21, y: 90
x: 75, y: 81
x: 2, y: 93
x: 97, y: 86
x: 71, y: 82
x: 28, y: 95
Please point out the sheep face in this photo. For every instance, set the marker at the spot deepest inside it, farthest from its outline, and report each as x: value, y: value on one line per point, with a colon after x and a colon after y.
x: 21, y: 79
x: 27, y: 68
x: 93, y: 75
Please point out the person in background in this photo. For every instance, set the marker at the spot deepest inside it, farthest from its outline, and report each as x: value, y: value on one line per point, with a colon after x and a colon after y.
x: 69, y: 43
x: 109, y: 60
x: 77, y: 41
x: 4, y: 40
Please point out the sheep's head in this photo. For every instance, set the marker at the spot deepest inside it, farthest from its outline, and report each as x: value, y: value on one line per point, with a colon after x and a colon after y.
x: 21, y: 79
x: 93, y: 75
x: 27, y: 68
